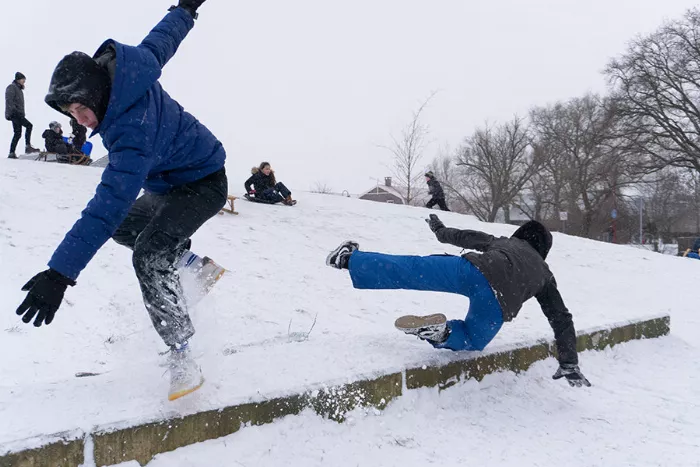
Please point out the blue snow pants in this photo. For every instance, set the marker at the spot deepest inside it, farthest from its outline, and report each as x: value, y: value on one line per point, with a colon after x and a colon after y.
x: 439, y: 273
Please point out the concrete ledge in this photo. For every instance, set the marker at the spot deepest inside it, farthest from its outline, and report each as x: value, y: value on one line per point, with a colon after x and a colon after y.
x: 141, y: 443
x: 62, y: 453
x: 520, y: 359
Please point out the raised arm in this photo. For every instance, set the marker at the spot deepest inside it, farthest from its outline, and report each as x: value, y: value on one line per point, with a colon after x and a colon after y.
x: 164, y: 40
x: 469, y: 239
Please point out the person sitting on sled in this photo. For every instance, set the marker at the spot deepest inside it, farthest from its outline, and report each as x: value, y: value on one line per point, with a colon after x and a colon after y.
x: 53, y: 142
x: 263, y: 186
x: 155, y: 145
x: 507, y: 273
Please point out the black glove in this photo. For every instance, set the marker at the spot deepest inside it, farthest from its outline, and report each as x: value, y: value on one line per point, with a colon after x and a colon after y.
x: 189, y: 5
x: 435, y: 223
x: 573, y: 375
x: 46, y: 291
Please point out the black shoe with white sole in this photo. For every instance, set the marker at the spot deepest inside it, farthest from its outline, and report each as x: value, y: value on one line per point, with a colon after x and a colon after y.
x: 340, y: 257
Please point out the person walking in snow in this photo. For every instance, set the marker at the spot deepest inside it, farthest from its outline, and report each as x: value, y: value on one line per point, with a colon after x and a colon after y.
x: 14, y: 112
x: 507, y: 273
x: 155, y: 145
x: 435, y: 191
x: 263, y: 186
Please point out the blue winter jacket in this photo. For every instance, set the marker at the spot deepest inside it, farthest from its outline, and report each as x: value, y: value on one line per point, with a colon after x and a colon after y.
x: 152, y: 142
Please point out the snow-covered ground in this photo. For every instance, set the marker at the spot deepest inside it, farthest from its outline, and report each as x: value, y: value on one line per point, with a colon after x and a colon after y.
x: 277, y: 286
x: 643, y: 410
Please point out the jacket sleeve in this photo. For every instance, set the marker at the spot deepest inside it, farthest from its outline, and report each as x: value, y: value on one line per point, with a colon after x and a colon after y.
x: 438, y: 192
x: 431, y: 187
x: 469, y: 239
x: 248, y: 183
x: 10, y: 102
x: 561, y: 321
x: 166, y: 37
x: 121, y: 183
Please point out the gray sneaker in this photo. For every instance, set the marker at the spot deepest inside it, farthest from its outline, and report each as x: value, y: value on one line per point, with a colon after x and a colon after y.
x: 431, y: 328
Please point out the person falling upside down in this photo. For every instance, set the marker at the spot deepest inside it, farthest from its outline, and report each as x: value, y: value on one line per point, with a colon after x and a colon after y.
x: 507, y: 273
x: 153, y: 145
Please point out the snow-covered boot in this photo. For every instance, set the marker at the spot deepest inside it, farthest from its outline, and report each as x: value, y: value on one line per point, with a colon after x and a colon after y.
x: 432, y: 327
x: 31, y: 150
x: 12, y: 155
x: 198, y: 276
x: 185, y: 374
x: 340, y: 257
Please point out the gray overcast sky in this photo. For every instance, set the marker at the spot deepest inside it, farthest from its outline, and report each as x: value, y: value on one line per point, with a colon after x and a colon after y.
x: 315, y: 86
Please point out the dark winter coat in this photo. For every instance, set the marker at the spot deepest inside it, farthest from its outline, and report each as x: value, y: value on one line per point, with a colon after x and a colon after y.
x: 152, y: 142
x: 14, y: 101
x: 517, y: 272
x: 435, y: 189
x: 260, y: 181
x: 79, y: 134
x: 54, y: 142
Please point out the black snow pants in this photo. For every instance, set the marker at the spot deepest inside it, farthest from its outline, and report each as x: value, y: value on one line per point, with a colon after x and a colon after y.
x: 439, y: 201
x: 17, y: 124
x: 158, y: 230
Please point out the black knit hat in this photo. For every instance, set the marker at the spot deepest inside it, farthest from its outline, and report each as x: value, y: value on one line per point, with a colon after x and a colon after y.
x: 430, y: 174
x: 19, y: 76
x: 537, y: 236
x: 79, y: 79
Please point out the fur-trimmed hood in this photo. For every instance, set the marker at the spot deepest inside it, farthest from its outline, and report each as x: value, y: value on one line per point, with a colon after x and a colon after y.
x: 255, y: 170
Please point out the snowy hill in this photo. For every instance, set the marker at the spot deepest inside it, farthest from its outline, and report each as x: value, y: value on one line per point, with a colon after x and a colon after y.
x: 277, y: 286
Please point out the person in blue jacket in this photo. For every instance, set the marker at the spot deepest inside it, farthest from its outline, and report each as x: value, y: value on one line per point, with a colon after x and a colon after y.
x: 694, y: 252
x: 153, y: 145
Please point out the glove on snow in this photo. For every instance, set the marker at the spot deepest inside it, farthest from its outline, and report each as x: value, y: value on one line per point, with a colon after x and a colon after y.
x: 435, y: 223
x: 189, y: 5
x: 573, y: 375
x: 46, y: 291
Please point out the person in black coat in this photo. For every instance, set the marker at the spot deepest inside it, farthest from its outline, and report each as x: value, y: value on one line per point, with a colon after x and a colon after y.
x: 263, y: 185
x: 497, y: 281
x: 437, y: 195
x: 53, y: 140
x: 14, y: 112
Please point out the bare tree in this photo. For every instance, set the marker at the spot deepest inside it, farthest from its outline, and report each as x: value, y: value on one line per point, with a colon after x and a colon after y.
x: 588, y: 167
x: 322, y: 188
x: 666, y: 195
x: 540, y: 198
x: 407, y: 151
x: 656, y: 86
x: 495, y: 164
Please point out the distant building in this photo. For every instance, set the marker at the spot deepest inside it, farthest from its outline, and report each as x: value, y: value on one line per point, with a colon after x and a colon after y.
x: 384, y: 193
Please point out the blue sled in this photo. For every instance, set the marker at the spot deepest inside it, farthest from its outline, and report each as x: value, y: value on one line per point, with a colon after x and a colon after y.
x: 87, y: 147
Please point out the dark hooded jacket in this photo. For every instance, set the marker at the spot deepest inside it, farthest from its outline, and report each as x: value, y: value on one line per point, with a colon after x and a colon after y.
x: 54, y: 142
x: 14, y: 101
x: 435, y: 189
x: 516, y: 269
x: 153, y: 142
x: 260, y: 181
